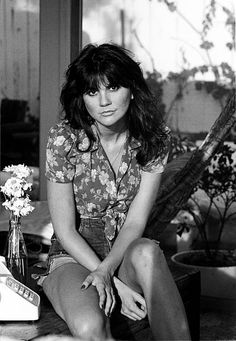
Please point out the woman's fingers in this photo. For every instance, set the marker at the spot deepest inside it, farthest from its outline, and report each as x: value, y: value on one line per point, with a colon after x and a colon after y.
x: 137, y: 312
x: 141, y: 305
x: 110, y: 302
x: 131, y: 315
x: 105, y: 293
x: 127, y: 315
x: 113, y: 302
x: 136, y: 309
x: 106, y: 299
x: 87, y: 282
x: 102, y: 295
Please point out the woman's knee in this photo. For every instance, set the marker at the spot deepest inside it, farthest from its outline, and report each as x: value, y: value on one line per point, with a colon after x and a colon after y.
x: 145, y: 252
x: 90, y: 326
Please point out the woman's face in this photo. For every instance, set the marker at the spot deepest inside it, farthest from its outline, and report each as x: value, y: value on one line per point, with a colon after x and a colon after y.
x: 108, y: 105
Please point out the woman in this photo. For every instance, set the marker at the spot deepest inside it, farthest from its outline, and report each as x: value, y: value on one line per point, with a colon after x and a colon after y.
x: 104, y: 165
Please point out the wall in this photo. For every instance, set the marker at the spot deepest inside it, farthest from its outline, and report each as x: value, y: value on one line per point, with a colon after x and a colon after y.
x: 195, y: 112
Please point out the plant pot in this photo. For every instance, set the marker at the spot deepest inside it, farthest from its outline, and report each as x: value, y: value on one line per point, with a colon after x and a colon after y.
x: 217, y: 282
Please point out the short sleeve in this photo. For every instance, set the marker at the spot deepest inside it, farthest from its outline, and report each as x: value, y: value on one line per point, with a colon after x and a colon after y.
x: 60, y: 142
x: 158, y: 165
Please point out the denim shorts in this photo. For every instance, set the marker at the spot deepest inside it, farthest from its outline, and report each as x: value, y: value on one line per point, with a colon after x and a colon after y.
x: 92, y: 230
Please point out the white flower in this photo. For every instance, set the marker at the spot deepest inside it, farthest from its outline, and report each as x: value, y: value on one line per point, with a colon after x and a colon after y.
x: 86, y: 157
x: 79, y: 169
x: 103, y: 177
x: 51, y: 159
x: 84, y: 144
x: 93, y: 174
x: 59, y: 141
x: 123, y: 167
x: 21, y: 171
x: 13, y: 187
x: 14, y: 190
x: 19, y: 206
x: 59, y: 174
x: 111, y: 188
x: 91, y: 206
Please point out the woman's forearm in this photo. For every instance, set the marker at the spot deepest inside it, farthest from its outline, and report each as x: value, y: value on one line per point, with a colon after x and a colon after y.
x: 126, y: 236
x: 63, y: 215
x: 80, y: 250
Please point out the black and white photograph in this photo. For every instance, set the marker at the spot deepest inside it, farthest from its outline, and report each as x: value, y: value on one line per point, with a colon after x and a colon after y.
x: 117, y: 170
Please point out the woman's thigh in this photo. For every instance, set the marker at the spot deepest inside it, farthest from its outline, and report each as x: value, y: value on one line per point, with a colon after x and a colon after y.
x: 63, y: 288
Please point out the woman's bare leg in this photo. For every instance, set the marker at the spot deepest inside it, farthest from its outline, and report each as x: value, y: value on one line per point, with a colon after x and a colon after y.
x: 79, y: 309
x: 145, y: 270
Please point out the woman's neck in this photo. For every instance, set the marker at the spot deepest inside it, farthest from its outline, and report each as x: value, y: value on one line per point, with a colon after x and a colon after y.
x: 113, y: 143
x: 111, y: 135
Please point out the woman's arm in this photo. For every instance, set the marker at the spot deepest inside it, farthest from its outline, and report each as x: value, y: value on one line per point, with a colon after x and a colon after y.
x: 135, y: 222
x: 62, y: 209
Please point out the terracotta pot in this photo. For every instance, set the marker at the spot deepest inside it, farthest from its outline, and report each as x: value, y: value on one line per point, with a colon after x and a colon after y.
x: 216, y: 282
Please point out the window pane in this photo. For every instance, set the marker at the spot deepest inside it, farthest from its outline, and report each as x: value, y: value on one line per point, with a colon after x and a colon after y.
x: 19, y: 79
x: 186, y: 50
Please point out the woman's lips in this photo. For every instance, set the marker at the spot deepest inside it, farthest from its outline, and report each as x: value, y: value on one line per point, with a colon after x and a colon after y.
x: 107, y: 112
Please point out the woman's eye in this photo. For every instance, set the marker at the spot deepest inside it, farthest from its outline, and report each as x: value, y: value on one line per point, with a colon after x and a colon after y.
x: 113, y: 88
x: 91, y: 92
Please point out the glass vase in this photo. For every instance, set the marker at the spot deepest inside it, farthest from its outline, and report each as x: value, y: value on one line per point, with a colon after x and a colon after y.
x: 16, y: 252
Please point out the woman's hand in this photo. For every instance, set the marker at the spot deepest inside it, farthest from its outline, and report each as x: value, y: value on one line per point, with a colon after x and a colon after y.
x: 133, y: 304
x: 103, y: 283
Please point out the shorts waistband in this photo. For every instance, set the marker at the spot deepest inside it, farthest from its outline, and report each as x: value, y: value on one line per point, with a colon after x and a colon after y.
x: 91, y: 222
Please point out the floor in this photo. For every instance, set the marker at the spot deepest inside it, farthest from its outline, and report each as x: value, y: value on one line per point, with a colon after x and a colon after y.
x: 214, y: 326
x: 218, y: 326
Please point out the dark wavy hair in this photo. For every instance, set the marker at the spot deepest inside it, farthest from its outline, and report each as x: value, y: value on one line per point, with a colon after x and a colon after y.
x: 112, y: 63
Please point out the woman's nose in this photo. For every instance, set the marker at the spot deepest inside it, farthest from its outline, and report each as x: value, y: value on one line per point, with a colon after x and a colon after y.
x: 104, y: 98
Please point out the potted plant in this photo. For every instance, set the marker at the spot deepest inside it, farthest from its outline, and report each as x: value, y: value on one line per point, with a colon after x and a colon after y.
x: 213, y: 200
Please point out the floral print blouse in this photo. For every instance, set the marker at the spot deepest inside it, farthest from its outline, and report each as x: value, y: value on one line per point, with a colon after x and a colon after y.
x: 98, y: 192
